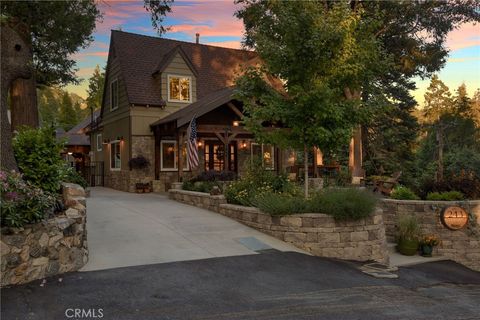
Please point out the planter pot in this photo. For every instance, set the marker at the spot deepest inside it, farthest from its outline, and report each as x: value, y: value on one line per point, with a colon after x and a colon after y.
x: 407, y: 247
x: 427, y: 250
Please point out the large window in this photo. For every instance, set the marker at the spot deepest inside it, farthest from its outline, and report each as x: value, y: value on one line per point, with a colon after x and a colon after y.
x: 179, y: 88
x: 169, y: 160
x: 99, y: 142
x: 266, y: 152
x: 115, y: 156
x: 114, y: 95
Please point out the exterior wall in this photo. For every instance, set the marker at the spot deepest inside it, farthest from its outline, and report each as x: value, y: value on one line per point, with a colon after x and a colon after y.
x: 177, y: 67
x: 462, y: 246
x: 97, y: 155
x: 145, y: 146
x: 319, y: 234
x: 40, y: 250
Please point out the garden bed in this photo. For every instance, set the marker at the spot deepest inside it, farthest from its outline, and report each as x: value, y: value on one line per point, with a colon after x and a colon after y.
x: 319, y: 234
x: 47, y: 248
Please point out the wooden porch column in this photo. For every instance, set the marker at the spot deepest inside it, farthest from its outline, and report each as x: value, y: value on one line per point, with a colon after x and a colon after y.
x: 355, y: 156
x: 180, y: 156
x: 157, y: 157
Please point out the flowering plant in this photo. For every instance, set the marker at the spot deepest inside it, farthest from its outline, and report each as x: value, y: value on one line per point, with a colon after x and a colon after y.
x: 21, y: 203
x: 430, y: 240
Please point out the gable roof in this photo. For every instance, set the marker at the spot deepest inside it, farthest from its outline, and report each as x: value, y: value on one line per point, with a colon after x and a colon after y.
x: 163, y: 64
x: 199, y: 108
x: 140, y: 56
x: 77, y: 136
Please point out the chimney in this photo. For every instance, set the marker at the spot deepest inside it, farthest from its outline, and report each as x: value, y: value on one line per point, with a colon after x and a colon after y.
x: 197, y: 35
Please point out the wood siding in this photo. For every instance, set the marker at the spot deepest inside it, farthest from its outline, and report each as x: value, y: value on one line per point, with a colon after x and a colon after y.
x: 177, y: 67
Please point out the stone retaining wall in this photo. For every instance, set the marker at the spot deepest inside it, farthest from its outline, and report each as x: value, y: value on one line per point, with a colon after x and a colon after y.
x: 319, y: 234
x: 462, y: 246
x: 54, y: 246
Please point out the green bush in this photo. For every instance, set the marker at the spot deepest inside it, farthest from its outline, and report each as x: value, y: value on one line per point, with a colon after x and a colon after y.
x: 200, y: 186
x: 281, y: 204
x: 22, y: 203
x: 256, y: 182
x: 445, y: 196
x: 343, y: 203
x: 403, y: 193
x: 69, y: 174
x: 38, y: 157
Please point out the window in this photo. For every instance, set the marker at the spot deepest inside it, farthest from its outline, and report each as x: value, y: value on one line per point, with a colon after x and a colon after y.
x: 99, y: 142
x: 169, y: 161
x: 179, y: 88
x: 115, y: 157
x: 266, y: 152
x: 114, y: 95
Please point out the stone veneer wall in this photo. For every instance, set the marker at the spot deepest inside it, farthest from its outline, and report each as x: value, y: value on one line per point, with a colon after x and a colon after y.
x: 320, y: 234
x: 54, y: 246
x: 462, y: 246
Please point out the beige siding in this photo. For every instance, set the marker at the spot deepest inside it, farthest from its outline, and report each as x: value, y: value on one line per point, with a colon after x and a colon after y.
x: 178, y: 67
x: 111, y: 131
x: 142, y: 117
x: 97, y: 155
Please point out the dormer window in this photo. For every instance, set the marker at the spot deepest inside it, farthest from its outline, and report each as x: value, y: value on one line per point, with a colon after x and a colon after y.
x: 179, y: 88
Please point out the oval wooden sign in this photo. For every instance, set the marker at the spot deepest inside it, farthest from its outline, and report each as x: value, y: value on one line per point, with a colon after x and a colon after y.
x: 454, y: 218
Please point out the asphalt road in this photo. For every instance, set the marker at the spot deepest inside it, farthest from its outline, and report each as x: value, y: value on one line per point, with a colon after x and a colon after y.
x: 278, y: 285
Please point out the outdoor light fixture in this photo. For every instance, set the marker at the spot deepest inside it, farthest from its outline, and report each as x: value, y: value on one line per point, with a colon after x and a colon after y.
x: 243, y: 144
x: 70, y: 153
x: 200, y: 143
x: 236, y: 123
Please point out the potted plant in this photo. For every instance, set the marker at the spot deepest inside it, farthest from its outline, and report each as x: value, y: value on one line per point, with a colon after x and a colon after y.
x: 408, y: 231
x: 427, y: 243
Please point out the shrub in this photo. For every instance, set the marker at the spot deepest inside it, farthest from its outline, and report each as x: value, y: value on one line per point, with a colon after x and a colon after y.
x: 213, y: 175
x: 71, y: 175
x: 38, y: 157
x: 280, y: 204
x: 343, y: 203
x: 200, y: 186
x: 445, y: 196
x: 403, y: 193
x: 22, y: 203
x: 138, y: 162
x: 407, y: 228
x: 465, y: 182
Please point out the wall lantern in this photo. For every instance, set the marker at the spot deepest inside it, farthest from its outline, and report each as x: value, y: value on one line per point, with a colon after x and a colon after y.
x: 243, y: 144
x: 200, y: 143
x: 70, y: 153
x: 236, y: 123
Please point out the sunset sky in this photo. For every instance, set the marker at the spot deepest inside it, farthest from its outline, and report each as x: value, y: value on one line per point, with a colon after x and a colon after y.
x: 216, y: 24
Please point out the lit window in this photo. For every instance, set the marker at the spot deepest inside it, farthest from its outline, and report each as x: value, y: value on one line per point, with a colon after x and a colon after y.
x: 114, y: 95
x: 99, y: 142
x: 266, y: 152
x: 169, y: 162
x: 179, y: 88
x: 115, y: 156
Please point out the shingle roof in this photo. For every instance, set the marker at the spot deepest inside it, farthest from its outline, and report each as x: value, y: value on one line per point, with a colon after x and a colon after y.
x: 199, y: 108
x: 76, y: 136
x: 141, y: 55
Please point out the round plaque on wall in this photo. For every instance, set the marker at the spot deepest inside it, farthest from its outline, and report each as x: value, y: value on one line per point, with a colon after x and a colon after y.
x: 454, y: 218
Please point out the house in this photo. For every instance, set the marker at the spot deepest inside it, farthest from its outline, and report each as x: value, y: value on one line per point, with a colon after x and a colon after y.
x: 153, y: 89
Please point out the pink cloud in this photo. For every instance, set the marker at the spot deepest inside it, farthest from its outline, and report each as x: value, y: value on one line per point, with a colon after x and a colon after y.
x: 467, y: 35
x: 226, y: 44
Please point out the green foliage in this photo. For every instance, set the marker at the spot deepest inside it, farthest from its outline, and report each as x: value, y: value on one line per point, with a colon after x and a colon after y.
x: 52, y: 110
x: 341, y: 203
x: 408, y: 228
x: 67, y: 115
x: 403, y: 193
x: 21, y: 202
x: 200, y: 186
x: 57, y: 29
x: 69, y: 174
x: 96, y: 84
x: 445, y: 196
x: 38, y: 156
x: 255, y: 182
x: 344, y: 203
x: 158, y: 10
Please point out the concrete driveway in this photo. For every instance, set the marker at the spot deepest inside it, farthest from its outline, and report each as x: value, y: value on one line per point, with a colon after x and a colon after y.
x: 127, y: 229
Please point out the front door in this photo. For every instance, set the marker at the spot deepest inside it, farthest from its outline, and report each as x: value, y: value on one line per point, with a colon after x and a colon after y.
x: 215, y: 156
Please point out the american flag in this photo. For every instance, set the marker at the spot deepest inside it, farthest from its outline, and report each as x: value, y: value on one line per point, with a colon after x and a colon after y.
x: 192, y: 144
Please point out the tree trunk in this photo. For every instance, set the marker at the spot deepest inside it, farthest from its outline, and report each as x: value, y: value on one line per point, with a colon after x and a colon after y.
x: 356, y: 152
x: 305, y: 163
x: 23, y: 105
x: 440, y: 153
x: 7, y: 159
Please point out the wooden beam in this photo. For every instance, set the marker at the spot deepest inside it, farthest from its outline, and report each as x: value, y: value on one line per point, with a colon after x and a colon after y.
x: 220, y: 137
x: 180, y: 157
x: 235, y: 110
